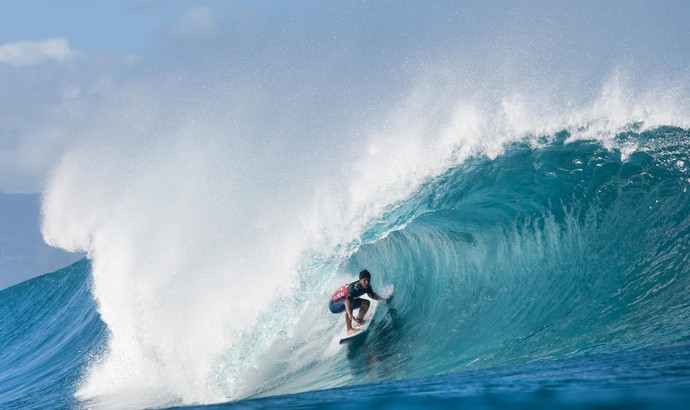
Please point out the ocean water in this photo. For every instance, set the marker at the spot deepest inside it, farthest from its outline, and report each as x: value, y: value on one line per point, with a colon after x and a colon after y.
x: 551, y: 273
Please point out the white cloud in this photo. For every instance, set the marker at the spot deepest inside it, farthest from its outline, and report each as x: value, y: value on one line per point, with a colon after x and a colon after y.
x: 28, y: 53
x: 196, y: 22
x: 42, y: 108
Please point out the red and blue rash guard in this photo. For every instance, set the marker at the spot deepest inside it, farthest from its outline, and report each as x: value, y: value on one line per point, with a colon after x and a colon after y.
x: 352, y: 291
x: 341, y: 293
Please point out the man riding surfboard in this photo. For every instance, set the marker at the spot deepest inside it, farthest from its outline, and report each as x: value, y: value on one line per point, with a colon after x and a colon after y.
x: 347, y: 299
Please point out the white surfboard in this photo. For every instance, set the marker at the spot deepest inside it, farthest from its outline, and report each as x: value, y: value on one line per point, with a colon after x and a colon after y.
x: 362, y: 328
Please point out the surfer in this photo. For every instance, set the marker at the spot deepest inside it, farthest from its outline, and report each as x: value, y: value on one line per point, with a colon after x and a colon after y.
x: 347, y: 298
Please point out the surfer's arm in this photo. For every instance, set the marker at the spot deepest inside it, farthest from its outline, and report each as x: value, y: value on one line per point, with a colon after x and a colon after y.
x: 348, y: 308
x: 376, y: 296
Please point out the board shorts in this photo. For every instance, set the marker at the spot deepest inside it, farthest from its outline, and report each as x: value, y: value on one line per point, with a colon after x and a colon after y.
x: 339, y: 307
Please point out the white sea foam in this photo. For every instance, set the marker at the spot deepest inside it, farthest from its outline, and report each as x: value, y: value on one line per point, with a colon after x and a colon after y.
x: 188, y: 248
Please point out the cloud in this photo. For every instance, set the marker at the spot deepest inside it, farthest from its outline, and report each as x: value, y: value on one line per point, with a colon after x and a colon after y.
x: 28, y: 53
x: 42, y: 107
x: 196, y: 22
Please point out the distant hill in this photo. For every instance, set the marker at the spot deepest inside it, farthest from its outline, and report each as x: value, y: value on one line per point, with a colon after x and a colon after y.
x: 23, y: 254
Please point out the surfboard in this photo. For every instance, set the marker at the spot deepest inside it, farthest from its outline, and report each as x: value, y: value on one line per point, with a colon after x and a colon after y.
x: 344, y: 338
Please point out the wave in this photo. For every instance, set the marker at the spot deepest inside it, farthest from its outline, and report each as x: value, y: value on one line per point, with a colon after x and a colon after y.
x: 544, y: 253
x: 214, y: 234
x: 560, y: 250
x: 540, y: 254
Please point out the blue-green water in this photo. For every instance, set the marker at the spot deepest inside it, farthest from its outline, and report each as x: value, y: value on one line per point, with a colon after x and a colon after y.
x: 554, y: 275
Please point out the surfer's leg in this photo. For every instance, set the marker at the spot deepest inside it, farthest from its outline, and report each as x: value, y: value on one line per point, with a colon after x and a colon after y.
x: 356, y: 304
x: 363, y: 309
x: 348, y: 324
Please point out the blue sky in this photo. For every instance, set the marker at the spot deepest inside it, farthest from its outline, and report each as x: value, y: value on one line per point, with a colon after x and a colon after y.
x: 59, y: 59
x: 94, y: 26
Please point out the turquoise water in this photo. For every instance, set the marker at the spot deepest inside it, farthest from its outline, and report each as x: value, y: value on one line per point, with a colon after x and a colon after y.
x: 50, y: 330
x: 555, y: 275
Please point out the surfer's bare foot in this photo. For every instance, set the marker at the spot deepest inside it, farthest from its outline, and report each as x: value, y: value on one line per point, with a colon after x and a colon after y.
x: 351, y: 331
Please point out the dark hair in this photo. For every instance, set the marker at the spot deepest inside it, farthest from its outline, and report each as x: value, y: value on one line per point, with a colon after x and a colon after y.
x: 365, y: 274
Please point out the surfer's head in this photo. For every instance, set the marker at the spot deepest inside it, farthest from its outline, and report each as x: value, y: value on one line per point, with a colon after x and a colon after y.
x: 364, y: 278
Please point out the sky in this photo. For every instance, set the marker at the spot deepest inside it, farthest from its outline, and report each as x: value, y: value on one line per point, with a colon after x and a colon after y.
x: 60, y: 59
x: 97, y: 27
x: 57, y: 57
